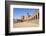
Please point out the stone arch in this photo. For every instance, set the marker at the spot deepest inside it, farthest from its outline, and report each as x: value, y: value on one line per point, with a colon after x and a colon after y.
x: 36, y: 16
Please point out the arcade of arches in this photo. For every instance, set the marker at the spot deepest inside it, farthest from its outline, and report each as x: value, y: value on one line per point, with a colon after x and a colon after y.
x: 34, y: 17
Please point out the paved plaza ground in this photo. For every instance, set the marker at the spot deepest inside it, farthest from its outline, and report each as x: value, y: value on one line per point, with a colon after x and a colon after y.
x: 33, y: 23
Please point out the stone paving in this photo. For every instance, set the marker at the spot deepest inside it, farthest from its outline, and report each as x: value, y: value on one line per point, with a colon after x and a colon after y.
x: 33, y: 23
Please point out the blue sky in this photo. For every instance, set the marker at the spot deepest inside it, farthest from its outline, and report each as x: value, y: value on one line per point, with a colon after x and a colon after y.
x: 17, y: 12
